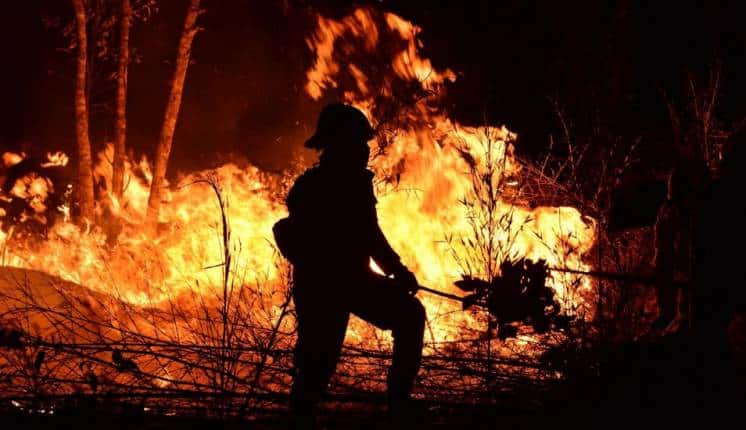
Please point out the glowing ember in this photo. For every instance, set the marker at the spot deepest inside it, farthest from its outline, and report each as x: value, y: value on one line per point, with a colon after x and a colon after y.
x: 57, y: 159
x: 12, y: 158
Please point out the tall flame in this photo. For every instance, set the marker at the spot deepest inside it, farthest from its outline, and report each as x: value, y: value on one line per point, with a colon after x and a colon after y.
x: 433, y: 216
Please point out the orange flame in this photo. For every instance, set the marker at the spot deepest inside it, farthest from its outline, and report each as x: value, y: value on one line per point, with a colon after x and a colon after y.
x: 34, y: 189
x: 11, y: 158
x: 57, y: 159
x: 430, y: 156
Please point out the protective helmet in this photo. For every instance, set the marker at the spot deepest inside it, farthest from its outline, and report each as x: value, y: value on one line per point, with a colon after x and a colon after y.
x: 339, y: 120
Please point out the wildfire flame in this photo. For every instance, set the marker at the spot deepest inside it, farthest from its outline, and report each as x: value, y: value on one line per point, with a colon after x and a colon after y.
x: 429, y: 155
x: 56, y: 159
x: 33, y: 189
x: 12, y: 158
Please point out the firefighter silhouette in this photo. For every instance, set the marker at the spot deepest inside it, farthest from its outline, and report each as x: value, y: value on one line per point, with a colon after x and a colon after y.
x: 330, y: 236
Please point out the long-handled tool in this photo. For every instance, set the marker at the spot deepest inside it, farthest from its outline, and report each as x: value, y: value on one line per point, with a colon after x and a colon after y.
x: 441, y: 293
x: 614, y: 276
x: 520, y: 295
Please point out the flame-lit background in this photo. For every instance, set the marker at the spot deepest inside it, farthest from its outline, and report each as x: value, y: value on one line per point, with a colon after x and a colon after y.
x: 245, y: 94
x: 428, y: 154
x: 477, y: 94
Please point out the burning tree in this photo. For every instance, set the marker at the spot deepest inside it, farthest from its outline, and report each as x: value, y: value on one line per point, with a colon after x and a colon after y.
x: 85, y: 162
x: 117, y: 180
x: 95, y: 24
x: 163, y: 150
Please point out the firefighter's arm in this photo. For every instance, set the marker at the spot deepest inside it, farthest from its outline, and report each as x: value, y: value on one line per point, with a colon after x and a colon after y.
x: 381, y: 251
x: 388, y: 260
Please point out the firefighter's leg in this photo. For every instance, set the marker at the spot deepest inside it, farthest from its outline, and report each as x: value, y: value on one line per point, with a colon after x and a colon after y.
x: 321, y: 331
x: 387, y: 305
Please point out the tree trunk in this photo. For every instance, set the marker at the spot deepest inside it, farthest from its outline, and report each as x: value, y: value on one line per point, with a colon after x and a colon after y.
x: 172, y: 110
x: 85, y: 164
x: 117, y: 180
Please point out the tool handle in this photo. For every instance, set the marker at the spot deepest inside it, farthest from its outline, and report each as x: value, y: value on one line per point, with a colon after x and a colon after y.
x: 441, y: 293
x: 614, y: 276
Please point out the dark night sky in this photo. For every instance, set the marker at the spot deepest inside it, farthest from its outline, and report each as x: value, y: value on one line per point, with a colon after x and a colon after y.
x: 244, y: 91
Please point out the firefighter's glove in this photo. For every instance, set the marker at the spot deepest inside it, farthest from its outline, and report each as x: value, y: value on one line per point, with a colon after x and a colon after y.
x: 407, y: 279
